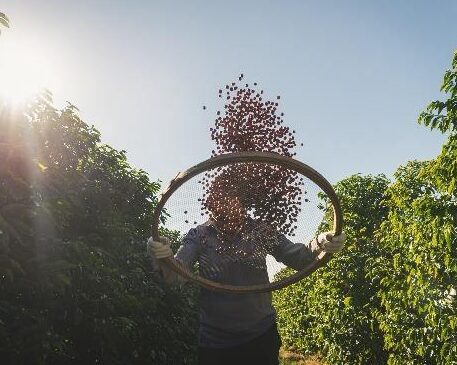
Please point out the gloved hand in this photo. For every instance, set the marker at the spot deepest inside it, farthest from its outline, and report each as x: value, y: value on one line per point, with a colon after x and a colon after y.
x: 159, y: 249
x: 330, y: 243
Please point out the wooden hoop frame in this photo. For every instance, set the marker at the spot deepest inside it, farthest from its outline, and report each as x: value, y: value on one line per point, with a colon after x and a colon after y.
x: 236, y: 157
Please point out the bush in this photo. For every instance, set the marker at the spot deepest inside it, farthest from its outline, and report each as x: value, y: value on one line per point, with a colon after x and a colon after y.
x: 76, y: 284
x: 331, y: 311
x: 418, y: 266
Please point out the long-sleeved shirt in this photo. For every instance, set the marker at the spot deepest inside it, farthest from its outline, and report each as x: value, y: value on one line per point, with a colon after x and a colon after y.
x: 228, y: 320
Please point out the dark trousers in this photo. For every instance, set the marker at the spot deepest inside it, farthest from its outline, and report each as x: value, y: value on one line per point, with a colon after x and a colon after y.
x: 263, y: 350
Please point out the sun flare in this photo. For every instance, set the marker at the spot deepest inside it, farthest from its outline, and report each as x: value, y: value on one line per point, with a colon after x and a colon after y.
x: 25, y: 69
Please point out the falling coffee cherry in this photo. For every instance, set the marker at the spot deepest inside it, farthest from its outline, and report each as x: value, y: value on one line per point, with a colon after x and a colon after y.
x: 252, y: 123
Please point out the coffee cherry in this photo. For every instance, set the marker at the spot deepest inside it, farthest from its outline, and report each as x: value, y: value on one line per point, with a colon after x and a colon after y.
x: 270, y: 192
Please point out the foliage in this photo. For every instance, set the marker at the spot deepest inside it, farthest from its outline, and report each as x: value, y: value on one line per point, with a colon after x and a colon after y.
x: 391, y: 295
x: 331, y: 311
x: 4, y: 21
x: 76, y: 284
x: 418, y: 266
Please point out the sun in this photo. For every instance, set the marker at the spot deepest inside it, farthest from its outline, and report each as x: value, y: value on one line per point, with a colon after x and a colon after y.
x: 25, y: 69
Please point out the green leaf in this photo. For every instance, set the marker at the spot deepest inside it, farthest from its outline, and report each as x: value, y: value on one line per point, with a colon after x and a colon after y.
x: 4, y: 20
x: 347, y: 302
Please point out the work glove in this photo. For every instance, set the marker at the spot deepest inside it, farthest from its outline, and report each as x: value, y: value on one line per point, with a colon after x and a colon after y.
x: 160, y: 249
x: 330, y: 243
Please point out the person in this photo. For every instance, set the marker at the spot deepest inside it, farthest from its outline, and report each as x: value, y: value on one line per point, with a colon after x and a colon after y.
x: 236, y: 328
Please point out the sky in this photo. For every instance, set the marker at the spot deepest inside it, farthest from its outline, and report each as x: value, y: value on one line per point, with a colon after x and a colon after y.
x: 353, y: 75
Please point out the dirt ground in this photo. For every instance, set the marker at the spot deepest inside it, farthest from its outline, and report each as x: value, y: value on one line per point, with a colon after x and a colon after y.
x: 291, y: 358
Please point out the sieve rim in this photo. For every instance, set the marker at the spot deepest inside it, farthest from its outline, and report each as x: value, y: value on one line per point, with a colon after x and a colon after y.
x: 236, y: 157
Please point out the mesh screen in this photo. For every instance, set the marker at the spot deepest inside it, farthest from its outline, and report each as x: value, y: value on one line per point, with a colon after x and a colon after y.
x: 234, y: 220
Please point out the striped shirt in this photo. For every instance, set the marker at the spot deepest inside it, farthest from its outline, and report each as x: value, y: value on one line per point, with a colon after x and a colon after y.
x: 226, y: 319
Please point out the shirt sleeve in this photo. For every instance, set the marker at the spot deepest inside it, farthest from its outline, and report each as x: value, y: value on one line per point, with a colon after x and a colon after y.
x: 189, y: 251
x: 295, y: 255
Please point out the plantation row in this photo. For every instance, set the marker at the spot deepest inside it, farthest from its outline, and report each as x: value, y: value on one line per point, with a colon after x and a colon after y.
x: 391, y: 295
x: 75, y: 282
x: 76, y: 285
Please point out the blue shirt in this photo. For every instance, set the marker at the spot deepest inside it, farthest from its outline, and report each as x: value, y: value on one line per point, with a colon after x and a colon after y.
x: 228, y: 320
